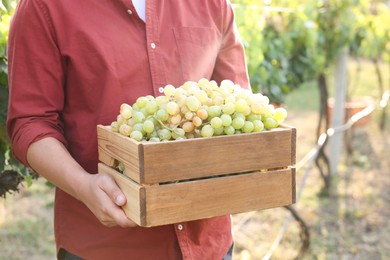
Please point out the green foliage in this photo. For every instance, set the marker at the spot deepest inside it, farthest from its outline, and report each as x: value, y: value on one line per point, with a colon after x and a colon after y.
x: 372, y: 38
x: 281, y: 46
x: 291, y: 42
x: 4, y: 143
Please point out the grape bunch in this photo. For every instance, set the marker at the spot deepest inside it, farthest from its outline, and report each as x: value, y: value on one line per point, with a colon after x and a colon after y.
x: 197, y: 109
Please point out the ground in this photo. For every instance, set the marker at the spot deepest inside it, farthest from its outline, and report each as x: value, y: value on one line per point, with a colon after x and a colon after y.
x: 351, y: 222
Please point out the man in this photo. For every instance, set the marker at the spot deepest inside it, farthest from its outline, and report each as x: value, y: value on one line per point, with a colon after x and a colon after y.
x: 71, y: 64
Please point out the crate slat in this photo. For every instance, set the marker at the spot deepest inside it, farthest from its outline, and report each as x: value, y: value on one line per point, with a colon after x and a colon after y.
x: 190, y: 200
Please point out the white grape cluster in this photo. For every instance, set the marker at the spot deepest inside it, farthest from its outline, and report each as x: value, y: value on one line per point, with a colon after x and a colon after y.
x: 197, y: 109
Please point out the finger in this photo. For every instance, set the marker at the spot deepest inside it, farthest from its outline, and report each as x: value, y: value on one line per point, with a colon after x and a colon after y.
x: 114, y: 215
x: 121, y: 219
x: 113, y: 191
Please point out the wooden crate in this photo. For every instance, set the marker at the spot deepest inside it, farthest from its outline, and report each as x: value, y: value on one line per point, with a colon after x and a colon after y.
x: 185, y: 180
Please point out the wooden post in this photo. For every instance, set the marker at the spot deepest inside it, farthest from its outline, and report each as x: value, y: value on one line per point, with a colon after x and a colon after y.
x: 338, y: 115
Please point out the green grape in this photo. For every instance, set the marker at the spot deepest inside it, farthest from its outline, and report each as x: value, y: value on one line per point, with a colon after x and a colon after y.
x: 216, y: 122
x: 172, y: 108
x: 164, y: 134
x: 241, y: 105
x: 179, y: 92
x: 270, y: 123
x: 114, y: 126
x: 136, y: 135
x: 160, y: 100
x: 241, y: 115
x: 247, y: 111
x: 201, y: 95
x: 162, y: 115
x: 121, y: 120
x: 180, y: 138
x: 228, y: 84
x: 189, y: 115
x: 248, y: 127
x: 258, y: 126
x: 169, y: 91
x: 178, y: 133
x: 256, y: 108
x: 230, y: 99
x: 150, y: 97
x: 121, y: 167
x: 154, y: 133
x: 193, y: 103
x: 124, y: 105
x: 131, y: 122
x: 135, y: 107
x: 181, y: 100
x: 226, y: 120
x: 148, y: 126
x: 229, y: 108
x: 207, y: 131
x: 203, y: 82
x: 280, y: 114
x: 151, y: 107
x: 214, y: 111
x: 218, y: 131
x: 153, y: 120
x: 238, y: 122
x: 126, y: 112
x: 138, y: 117
x: 265, y: 112
x: 253, y: 117
x: 218, y: 100
x: 139, y: 127
x: 141, y: 102
x: 229, y: 130
x: 237, y: 132
x: 154, y: 139
x: 125, y: 130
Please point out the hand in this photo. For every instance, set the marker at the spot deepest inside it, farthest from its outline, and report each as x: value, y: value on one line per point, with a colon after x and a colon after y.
x: 104, y: 198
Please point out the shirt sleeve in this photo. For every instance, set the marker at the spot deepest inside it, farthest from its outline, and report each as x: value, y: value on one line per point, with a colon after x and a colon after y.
x: 36, y: 79
x: 231, y: 62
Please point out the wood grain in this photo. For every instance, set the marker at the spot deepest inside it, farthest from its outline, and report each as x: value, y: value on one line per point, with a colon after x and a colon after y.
x: 198, y: 199
x: 195, y: 158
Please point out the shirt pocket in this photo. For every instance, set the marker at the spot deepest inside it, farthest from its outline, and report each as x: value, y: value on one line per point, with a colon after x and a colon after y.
x: 198, y: 49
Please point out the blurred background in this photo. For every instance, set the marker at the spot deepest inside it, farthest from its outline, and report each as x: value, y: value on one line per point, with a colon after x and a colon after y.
x: 324, y: 61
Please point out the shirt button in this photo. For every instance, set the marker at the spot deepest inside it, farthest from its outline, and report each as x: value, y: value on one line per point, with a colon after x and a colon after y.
x: 161, y: 89
x: 129, y: 11
x: 180, y: 227
x: 153, y: 45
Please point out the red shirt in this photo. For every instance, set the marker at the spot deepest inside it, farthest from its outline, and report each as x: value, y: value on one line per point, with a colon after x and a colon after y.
x: 72, y: 63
